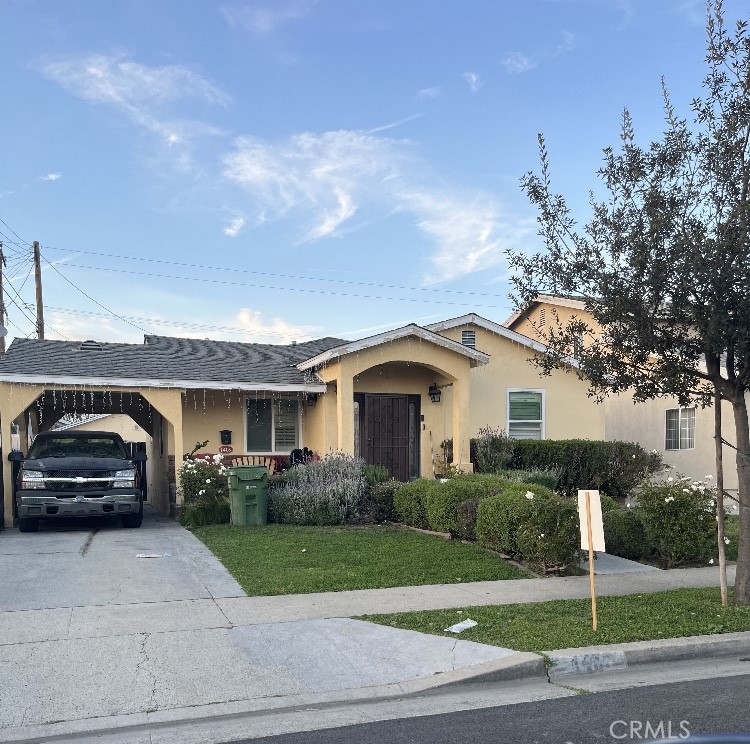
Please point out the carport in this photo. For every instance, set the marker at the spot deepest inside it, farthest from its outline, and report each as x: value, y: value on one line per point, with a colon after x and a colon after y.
x: 35, y: 405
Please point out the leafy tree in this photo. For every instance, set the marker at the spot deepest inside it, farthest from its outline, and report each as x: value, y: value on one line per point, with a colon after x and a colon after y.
x: 663, y: 265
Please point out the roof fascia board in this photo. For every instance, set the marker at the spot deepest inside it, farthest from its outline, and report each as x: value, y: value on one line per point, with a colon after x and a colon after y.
x: 426, y: 334
x: 491, y: 326
x: 310, y: 387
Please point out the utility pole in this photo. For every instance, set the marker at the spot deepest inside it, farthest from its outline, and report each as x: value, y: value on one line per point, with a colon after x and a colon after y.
x: 2, y: 298
x: 39, y: 304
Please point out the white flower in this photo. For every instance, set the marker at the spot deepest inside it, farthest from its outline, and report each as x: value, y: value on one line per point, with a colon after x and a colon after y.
x: 727, y: 541
x: 711, y: 561
x: 670, y: 479
x: 709, y: 477
x: 686, y: 490
x: 201, y: 492
x: 208, y: 480
x: 669, y: 499
x: 542, y: 535
x: 529, y: 495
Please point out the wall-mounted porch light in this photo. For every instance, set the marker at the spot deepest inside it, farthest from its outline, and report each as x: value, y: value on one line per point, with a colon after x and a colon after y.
x: 434, y: 392
x: 312, y: 399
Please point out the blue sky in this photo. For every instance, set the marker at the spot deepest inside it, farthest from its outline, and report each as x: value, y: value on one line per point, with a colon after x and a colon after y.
x: 287, y: 169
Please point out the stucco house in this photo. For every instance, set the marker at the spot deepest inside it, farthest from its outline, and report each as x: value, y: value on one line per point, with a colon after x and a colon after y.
x: 391, y: 398
x: 683, y: 435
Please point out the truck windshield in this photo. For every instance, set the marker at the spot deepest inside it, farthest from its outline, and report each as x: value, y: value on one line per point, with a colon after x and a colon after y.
x: 63, y: 446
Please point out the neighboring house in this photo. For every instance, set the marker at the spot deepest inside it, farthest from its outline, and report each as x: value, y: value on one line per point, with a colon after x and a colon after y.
x: 390, y: 398
x: 683, y: 436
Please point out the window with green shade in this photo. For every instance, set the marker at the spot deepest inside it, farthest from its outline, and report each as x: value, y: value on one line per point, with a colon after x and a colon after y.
x: 272, y: 425
x: 526, y: 414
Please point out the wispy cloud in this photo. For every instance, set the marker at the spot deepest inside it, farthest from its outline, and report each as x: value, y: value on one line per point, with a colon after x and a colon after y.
x: 516, y: 63
x: 274, y: 330
x: 51, y: 177
x: 264, y: 20
x: 144, y: 94
x: 433, y: 92
x: 331, y: 177
x: 234, y: 228
x: 473, y: 80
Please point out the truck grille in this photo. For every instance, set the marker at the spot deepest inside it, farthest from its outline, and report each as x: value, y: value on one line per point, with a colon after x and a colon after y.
x: 65, y: 480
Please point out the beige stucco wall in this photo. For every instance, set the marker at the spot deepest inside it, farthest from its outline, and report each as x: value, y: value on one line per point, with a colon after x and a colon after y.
x: 205, y: 416
x: 645, y: 423
x: 569, y: 412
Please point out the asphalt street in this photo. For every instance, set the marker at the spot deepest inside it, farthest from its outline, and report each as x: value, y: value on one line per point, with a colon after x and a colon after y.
x: 683, y: 711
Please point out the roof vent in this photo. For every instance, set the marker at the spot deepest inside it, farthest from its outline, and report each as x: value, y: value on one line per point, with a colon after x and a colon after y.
x: 90, y: 346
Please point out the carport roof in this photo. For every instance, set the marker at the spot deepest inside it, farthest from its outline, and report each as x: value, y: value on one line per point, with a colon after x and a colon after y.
x: 164, y: 361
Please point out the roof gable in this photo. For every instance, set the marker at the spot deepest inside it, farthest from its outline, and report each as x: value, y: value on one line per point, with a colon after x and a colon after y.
x: 412, y: 330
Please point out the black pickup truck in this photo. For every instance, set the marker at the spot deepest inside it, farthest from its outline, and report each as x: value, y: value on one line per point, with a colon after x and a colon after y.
x: 70, y: 474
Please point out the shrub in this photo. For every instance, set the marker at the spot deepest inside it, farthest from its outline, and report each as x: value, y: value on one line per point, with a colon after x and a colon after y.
x: 624, y: 534
x: 613, y: 467
x: 466, y: 519
x: 409, y: 501
x: 679, y: 519
x: 319, y: 492
x: 493, y: 450
x: 550, y: 536
x: 500, y: 517
x: 379, y: 501
x: 374, y: 474
x: 204, y: 491
x: 546, y: 478
x: 608, y: 503
x: 442, y: 501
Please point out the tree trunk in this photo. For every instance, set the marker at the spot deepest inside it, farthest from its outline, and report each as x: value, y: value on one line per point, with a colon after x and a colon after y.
x: 719, y: 442
x: 742, y: 429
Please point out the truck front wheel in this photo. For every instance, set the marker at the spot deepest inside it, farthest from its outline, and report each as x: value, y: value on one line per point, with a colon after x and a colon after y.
x: 133, y: 520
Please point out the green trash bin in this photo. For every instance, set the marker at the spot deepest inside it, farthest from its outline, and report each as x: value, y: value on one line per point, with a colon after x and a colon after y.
x: 248, y: 495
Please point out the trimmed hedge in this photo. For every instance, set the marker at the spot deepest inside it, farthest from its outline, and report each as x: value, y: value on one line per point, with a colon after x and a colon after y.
x: 615, y: 468
x: 410, y: 502
x: 624, y: 533
x: 442, y: 502
x: 499, y: 517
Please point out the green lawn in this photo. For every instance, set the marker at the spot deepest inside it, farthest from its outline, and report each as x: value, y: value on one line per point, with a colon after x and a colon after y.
x: 545, y: 626
x: 284, y: 559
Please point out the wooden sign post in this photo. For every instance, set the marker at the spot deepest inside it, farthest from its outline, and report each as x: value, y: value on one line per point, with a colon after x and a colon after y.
x: 592, y: 536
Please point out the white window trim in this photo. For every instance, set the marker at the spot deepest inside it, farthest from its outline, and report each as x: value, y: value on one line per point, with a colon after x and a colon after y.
x: 274, y: 398
x: 543, y: 391
x: 680, y: 409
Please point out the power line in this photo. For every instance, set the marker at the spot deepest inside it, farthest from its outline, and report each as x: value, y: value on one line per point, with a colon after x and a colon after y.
x: 226, y: 282
x: 276, y: 275
x: 89, y: 297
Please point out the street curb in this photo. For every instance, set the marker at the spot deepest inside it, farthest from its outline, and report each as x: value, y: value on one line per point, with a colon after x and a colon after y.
x: 515, y: 667
x: 618, y: 656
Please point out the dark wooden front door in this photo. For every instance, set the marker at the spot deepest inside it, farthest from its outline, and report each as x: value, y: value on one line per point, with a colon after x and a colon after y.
x: 390, y: 433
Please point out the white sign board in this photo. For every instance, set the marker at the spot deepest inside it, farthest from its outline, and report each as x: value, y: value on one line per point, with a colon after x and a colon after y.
x: 597, y: 526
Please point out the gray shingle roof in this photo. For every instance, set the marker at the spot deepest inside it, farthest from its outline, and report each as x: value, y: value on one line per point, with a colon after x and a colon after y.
x: 164, y: 358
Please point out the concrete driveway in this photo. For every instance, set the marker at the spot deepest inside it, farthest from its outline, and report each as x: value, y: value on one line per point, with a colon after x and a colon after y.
x: 92, y: 636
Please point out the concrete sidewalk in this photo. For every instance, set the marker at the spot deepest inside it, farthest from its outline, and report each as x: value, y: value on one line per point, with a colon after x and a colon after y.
x: 94, y: 638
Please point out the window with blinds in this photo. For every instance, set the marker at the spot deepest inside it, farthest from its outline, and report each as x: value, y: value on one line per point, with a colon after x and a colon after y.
x: 272, y: 425
x: 525, y: 414
x: 680, y: 429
